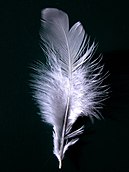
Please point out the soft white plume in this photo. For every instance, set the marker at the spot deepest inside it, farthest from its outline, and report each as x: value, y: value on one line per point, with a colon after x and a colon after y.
x: 70, y: 84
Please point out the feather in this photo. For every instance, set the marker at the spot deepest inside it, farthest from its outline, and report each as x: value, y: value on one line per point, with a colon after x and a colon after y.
x: 70, y: 84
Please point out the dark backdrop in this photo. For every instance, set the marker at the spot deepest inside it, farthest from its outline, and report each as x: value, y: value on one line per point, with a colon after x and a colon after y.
x: 25, y: 142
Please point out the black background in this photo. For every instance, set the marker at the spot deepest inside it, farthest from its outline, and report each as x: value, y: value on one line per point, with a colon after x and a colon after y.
x: 26, y: 142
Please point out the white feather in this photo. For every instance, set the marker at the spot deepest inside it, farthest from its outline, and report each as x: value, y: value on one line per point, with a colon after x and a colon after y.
x: 69, y: 85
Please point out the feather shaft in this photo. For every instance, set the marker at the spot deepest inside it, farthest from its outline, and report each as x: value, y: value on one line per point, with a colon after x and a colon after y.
x: 63, y: 132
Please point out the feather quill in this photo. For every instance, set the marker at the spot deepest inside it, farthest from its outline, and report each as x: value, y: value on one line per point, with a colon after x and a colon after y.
x: 70, y: 84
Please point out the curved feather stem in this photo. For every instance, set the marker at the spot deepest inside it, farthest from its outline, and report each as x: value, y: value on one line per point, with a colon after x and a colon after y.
x: 63, y: 132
